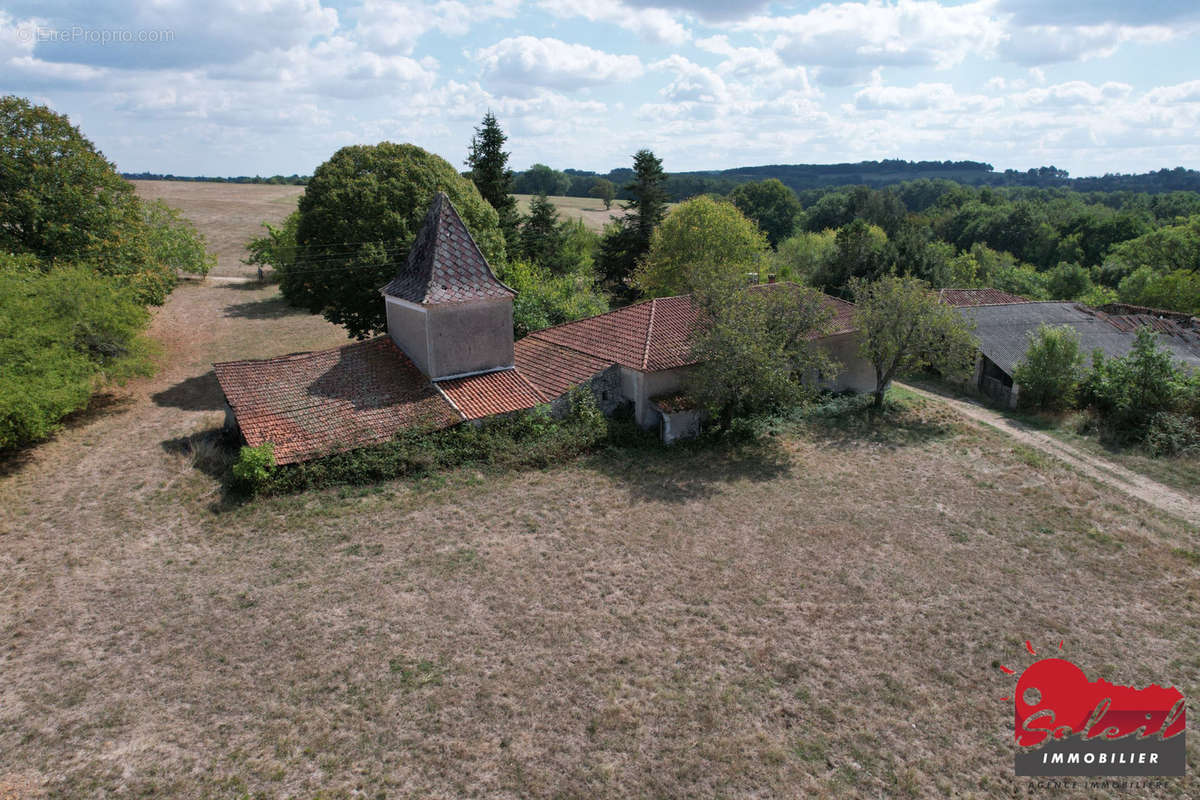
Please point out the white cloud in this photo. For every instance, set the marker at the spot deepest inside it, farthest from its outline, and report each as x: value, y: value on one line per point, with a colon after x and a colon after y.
x: 908, y: 33
x: 1049, y: 44
x: 522, y: 62
x: 397, y: 26
x: 1188, y: 92
x: 1073, y: 93
x: 651, y: 24
x: 692, y: 82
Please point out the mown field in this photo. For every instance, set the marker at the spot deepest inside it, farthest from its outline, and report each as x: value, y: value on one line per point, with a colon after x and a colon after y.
x: 822, y: 614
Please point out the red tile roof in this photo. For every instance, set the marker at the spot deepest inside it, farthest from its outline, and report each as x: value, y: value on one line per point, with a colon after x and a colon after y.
x: 552, y: 369
x: 479, y: 396
x: 978, y: 297
x: 656, y: 334
x: 444, y: 264
x: 309, y: 404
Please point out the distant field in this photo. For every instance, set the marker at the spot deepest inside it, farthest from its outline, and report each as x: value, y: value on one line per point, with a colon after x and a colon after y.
x: 588, y: 209
x: 228, y: 214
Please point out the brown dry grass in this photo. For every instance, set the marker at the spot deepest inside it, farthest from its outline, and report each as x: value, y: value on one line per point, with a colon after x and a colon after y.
x: 821, y: 616
x: 228, y: 214
x: 588, y: 209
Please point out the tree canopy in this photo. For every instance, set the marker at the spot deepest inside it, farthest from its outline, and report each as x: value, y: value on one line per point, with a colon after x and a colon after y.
x: 903, y: 328
x: 541, y: 179
x: 773, y: 206
x: 358, y: 218
x: 755, y: 346
x: 700, y: 233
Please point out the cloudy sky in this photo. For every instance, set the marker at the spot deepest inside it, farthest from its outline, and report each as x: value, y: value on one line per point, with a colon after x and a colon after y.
x: 230, y: 87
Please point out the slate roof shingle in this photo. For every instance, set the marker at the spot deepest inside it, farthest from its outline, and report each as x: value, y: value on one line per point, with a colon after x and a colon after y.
x: 1003, y: 331
x: 445, y: 265
x: 309, y: 404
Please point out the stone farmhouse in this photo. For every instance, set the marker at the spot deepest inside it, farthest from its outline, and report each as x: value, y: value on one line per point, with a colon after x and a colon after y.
x: 1004, y: 322
x: 449, y: 357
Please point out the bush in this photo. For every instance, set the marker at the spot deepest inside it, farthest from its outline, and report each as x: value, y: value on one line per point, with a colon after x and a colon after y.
x: 254, y: 466
x: 63, y: 333
x: 1051, y: 369
x: 544, y: 299
x: 1172, y: 435
x: 1127, y: 392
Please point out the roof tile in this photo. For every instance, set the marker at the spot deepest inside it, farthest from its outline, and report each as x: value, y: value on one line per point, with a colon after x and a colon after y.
x: 310, y: 404
x: 479, y: 396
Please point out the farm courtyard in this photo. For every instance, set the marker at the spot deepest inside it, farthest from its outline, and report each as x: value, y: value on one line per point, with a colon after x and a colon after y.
x: 822, y: 614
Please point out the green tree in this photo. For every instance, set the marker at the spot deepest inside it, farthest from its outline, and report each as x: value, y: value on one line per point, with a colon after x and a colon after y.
x: 903, y: 328
x: 626, y: 241
x: 359, y: 215
x: 1128, y: 392
x: 1068, y: 281
x: 491, y: 175
x: 276, y: 250
x: 803, y: 256
x: 63, y: 333
x: 1177, y: 290
x: 773, y: 206
x: 699, y: 233
x: 755, y: 346
x: 1049, y: 372
x: 605, y: 190
x: 63, y: 202
x: 540, y: 235
x: 545, y: 299
x: 860, y: 252
x: 541, y: 179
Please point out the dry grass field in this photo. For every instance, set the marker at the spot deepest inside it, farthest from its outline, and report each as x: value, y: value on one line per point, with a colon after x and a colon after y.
x: 228, y: 214
x: 822, y: 614
x: 588, y: 209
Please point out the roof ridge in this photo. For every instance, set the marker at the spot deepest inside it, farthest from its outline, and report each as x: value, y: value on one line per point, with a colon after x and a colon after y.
x: 536, y: 392
x: 649, y: 333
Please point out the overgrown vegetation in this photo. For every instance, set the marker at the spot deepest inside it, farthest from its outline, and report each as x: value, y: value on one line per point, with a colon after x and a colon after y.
x: 80, y: 259
x: 527, y: 439
x: 1050, y: 372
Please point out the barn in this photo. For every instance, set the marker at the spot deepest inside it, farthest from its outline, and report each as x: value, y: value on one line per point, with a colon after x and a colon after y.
x: 449, y: 357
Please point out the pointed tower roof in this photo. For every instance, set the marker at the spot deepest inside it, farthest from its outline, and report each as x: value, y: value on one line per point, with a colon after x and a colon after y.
x: 445, y: 265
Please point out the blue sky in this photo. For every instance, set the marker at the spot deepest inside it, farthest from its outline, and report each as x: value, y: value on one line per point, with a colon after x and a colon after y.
x: 232, y: 87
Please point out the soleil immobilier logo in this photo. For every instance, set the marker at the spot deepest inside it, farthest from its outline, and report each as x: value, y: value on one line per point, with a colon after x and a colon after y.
x: 1066, y: 725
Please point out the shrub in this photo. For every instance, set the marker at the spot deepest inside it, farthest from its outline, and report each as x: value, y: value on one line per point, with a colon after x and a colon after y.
x: 63, y: 333
x: 254, y: 466
x: 1127, y: 392
x: 1051, y: 369
x: 1171, y: 434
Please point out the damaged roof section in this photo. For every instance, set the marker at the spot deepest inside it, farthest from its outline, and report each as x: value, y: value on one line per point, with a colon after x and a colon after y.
x: 311, y: 404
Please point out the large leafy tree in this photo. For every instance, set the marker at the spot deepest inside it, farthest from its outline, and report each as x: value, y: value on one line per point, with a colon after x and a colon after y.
x: 491, y: 175
x: 699, y: 236
x: 63, y: 202
x: 772, y: 205
x: 628, y: 240
x: 605, y: 190
x: 358, y: 217
x: 903, y: 328
x: 755, y: 346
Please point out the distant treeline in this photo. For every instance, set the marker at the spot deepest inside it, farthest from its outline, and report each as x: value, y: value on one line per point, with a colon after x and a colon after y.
x: 274, y: 180
x: 800, y: 178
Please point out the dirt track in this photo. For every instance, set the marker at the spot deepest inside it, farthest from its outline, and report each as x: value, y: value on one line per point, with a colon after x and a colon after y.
x: 1148, y: 491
